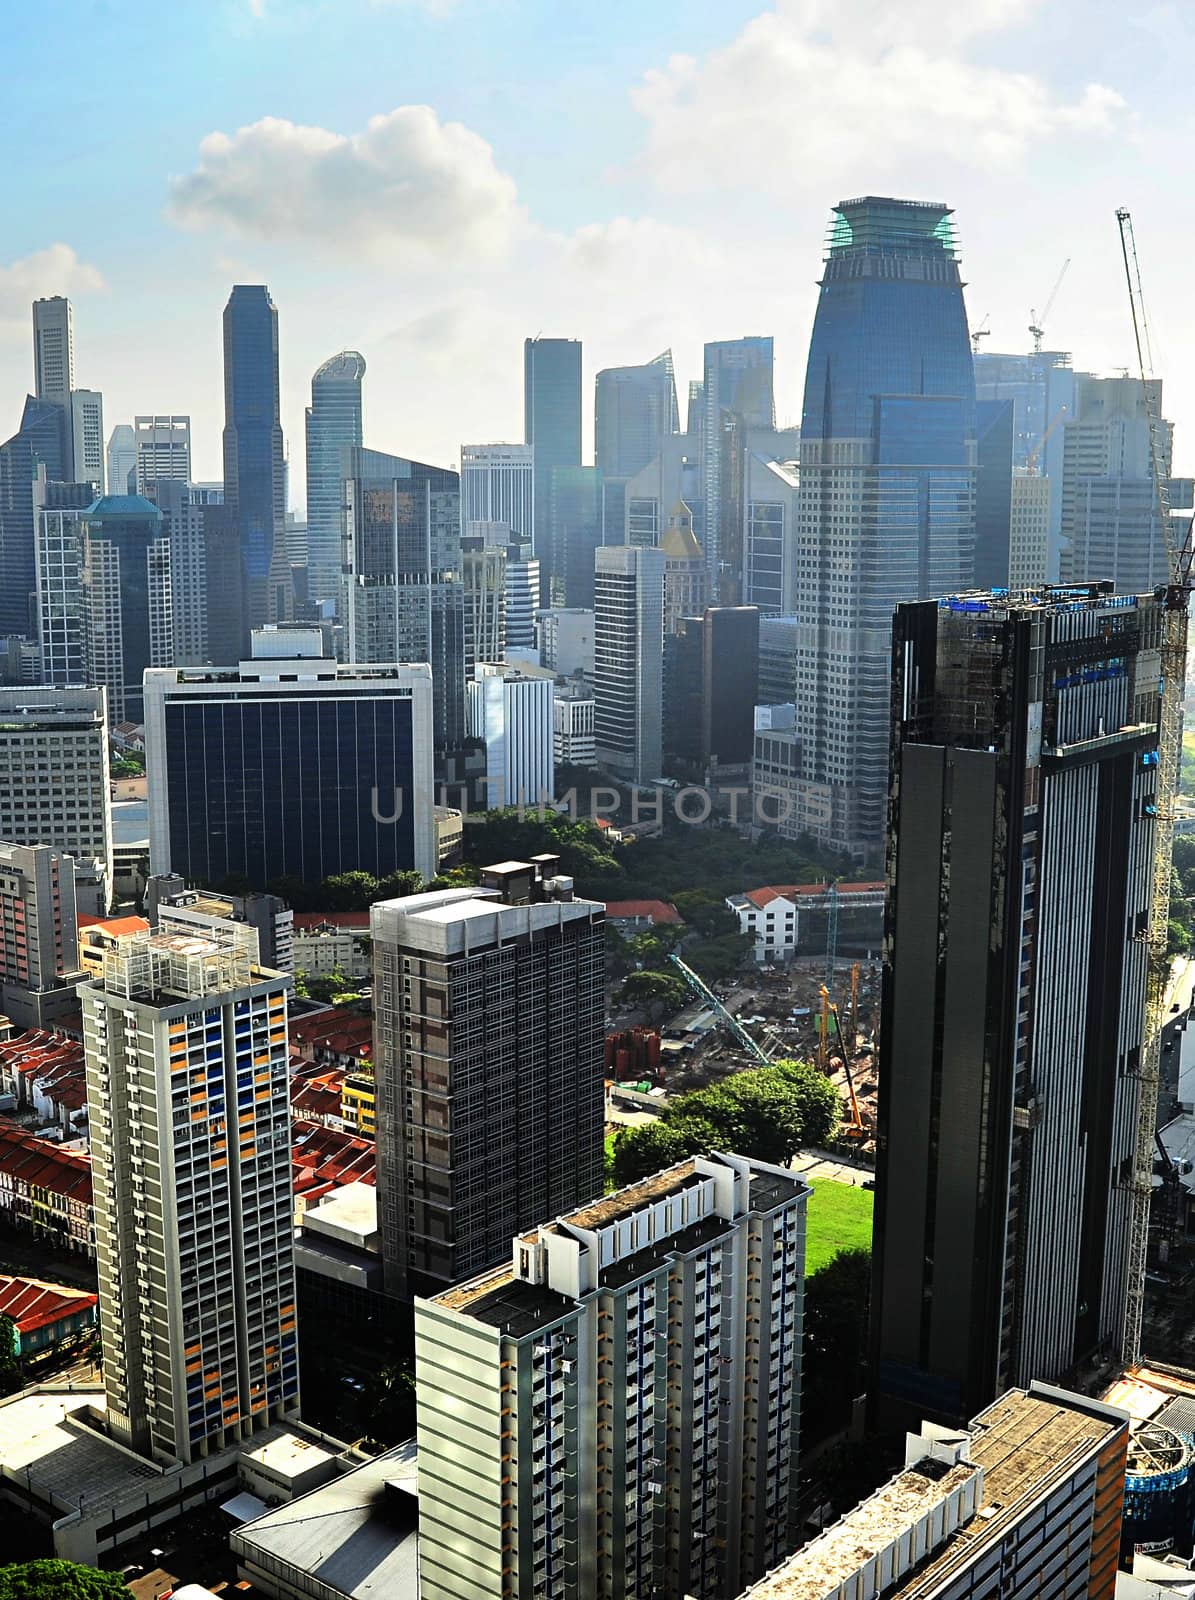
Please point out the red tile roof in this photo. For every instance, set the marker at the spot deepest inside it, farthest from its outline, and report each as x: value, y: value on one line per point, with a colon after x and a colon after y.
x: 33, y: 1304
x: 658, y: 911
x: 114, y: 925
x: 29, y: 1160
x: 793, y: 891
x: 55, y: 1064
x: 325, y: 1159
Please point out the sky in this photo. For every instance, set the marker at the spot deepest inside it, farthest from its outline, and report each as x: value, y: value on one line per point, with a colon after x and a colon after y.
x: 429, y: 181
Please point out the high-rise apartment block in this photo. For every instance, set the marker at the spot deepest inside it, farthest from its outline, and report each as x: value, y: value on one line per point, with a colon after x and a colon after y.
x: 53, y: 350
x: 497, y: 485
x: 254, y: 469
x: 172, y: 907
x: 628, y: 643
x: 552, y: 427
x: 38, y: 933
x: 1023, y: 796
x: 289, y: 765
x: 510, y: 712
x: 189, y: 1115
x: 54, y: 785
x: 334, y: 424
x: 489, y: 1012
x: 883, y: 517
x: 615, y: 1411
x: 163, y: 446
x: 1025, y: 1500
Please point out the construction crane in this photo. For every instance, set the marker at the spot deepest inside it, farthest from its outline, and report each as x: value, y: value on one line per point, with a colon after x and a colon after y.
x: 1036, y: 330
x: 1174, y: 672
x: 857, y: 1129
x: 1059, y: 416
x: 982, y: 332
x: 729, y: 1021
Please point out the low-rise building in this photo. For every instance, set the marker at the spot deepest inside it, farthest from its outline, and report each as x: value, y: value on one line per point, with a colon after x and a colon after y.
x: 358, y: 1103
x: 800, y: 919
x: 44, y: 1314
x: 630, y: 917
x: 98, y: 935
x: 45, y: 1191
x: 324, y: 942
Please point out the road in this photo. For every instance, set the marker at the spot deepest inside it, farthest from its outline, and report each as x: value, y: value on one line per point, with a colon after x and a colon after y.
x: 822, y: 1164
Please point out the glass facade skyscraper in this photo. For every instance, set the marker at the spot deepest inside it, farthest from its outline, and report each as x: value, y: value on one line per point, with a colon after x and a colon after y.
x: 634, y: 411
x: 736, y: 394
x: 333, y: 422
x: 552, y: 427
x: 41, y: 438
x: 887, y: 509
x: 254, y: 473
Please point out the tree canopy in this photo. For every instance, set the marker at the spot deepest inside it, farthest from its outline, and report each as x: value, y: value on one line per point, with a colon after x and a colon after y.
x: 59, y: 1580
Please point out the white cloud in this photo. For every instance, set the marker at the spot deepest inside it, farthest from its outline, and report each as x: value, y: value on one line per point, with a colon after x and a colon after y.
x: 407, y: 187
x: 818, y: 89
x: 55, y: 270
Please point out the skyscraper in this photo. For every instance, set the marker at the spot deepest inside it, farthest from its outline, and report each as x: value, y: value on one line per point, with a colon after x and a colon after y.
x: 1024, y: 775
x: 771, y: 496
x: 189, y: 1116
x: 634, y: 411
x: 670, y: 1315
x: 53, y: 350
x: 887, y: 492
x: 185, y: 511
x: 737, y: 391
x: 289, y: 766
x: 333, y: 424
x: 489, y: 1008
x: 254, y: 471
x: 61, y: 614
x: 86, y: 426
x: 483, y: 572
x: 497, y: 485
x: 994, y: 449
x: 402, y: 598
x: 122, y: 458
x: 1111, y: 522
x: 577, y: 527
x: 127, y: 605
x: 628, y: 647
x: 552, y: 427
x: 510, y: 712
x: 1041, y: 386
x: 163, y: 446
x: 39, y: 441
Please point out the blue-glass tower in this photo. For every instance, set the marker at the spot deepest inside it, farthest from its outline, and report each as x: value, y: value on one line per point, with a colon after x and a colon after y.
x: 254, y: 471
x: 333, y: 423
x: 552, y: 427
x: 41, y: 439
x: 887, y: 510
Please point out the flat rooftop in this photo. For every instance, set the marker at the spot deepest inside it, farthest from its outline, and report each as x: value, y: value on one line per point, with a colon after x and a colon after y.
x: 62, y: 1459
x: 289, y: 1454
x: 356, y: 1534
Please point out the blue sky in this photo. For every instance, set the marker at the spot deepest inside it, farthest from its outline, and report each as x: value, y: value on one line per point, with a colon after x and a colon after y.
x: 429, y: 180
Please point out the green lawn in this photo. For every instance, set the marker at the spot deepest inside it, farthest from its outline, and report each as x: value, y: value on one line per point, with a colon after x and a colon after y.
x: 839, y: 1219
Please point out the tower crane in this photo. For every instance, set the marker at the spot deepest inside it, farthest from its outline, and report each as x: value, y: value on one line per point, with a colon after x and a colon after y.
x: 982, y: 332
x: 1059, y: 417
x: 1037, y: 331
x: 1174, y: 671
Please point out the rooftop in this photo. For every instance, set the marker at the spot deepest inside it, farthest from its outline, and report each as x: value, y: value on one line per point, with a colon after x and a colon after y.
x: 33, y: 1304
x: 657, y: 911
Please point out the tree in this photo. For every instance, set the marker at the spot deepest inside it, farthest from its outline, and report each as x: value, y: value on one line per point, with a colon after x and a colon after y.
x: 638, y: 1152
x: 397, y: 884
x: 718, y: 960
x: 10, y: 1361
x: 658, y: 991
x: 59, y: 1580
x: 835, y: 1342
x: 348, y: 891
x: 1178, y: 938
x: 388, y: 1405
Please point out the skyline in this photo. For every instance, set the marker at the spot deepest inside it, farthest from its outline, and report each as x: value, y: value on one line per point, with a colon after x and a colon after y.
x: 444, y: 201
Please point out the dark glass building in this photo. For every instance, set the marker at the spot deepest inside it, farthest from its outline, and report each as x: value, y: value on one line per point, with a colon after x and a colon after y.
x: 1022, y: 809
x: 254, y: 469
x: 634, y: 412
x: 887, y: 493
x: 552, y: 427
x: 736, y: 395
x: 711, y: 680
x: 333, y: 424
x: 41, y: 438
x: 577, y: 523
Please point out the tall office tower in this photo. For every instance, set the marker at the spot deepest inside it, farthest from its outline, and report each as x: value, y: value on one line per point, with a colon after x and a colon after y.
x: 53, y: 350
x: 163, y: 446
x: 61, y: 615
x: 628, y: 651
x: 333, y: 422
x: 1025, y: 1500
x: 289, y: 766
x: 1029, y: 530
x: 681, y: 697
x: 39, y: 441
x: 1024, y: 771
x: 498, y: 485
x: 671, y: 1314
x: 224, y: 589
x: 552, y: 427
x: 1041, y: 386
x: 564, y: 638
x: 121, y: 458
x: 86, y: 424
x: 577, y: 523
x: 674, y: 474
x: 779, y: 660
x: 686, y: 576
x: 771, y: 498
x: 711, y: 672
x: 887, y: 492
x: 489, y: 1007
x: 510, y: 712
x: 54, y: 786
x: 402, y: 598
x: 254, y: 477
x: 1111, y: 522
x: 524, y: 589
x: 483, y: 573
x: 994, y: 442
x: 634, y: 411
x: 127, y: 604
x: 184, y: 510
x: 189, y: 1115
x: 737, y: 389
x: 39, y: 949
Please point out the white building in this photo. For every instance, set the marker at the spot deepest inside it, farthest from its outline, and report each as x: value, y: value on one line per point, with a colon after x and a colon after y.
x: 633, y: 1381
x: 54, y: 783
x: 87, y: 437
x: 327, y: 942
x: 122, y: 457
x: 791, y: 919
x: 1028, y: 530
x: 163, y: 447
x: 188, y: 1103
x: 628, y: 643
x: 564, y: 636
x: 497, y: 485
x: 573, y: 743
x: 53, y: 350
x: 510, y: 710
